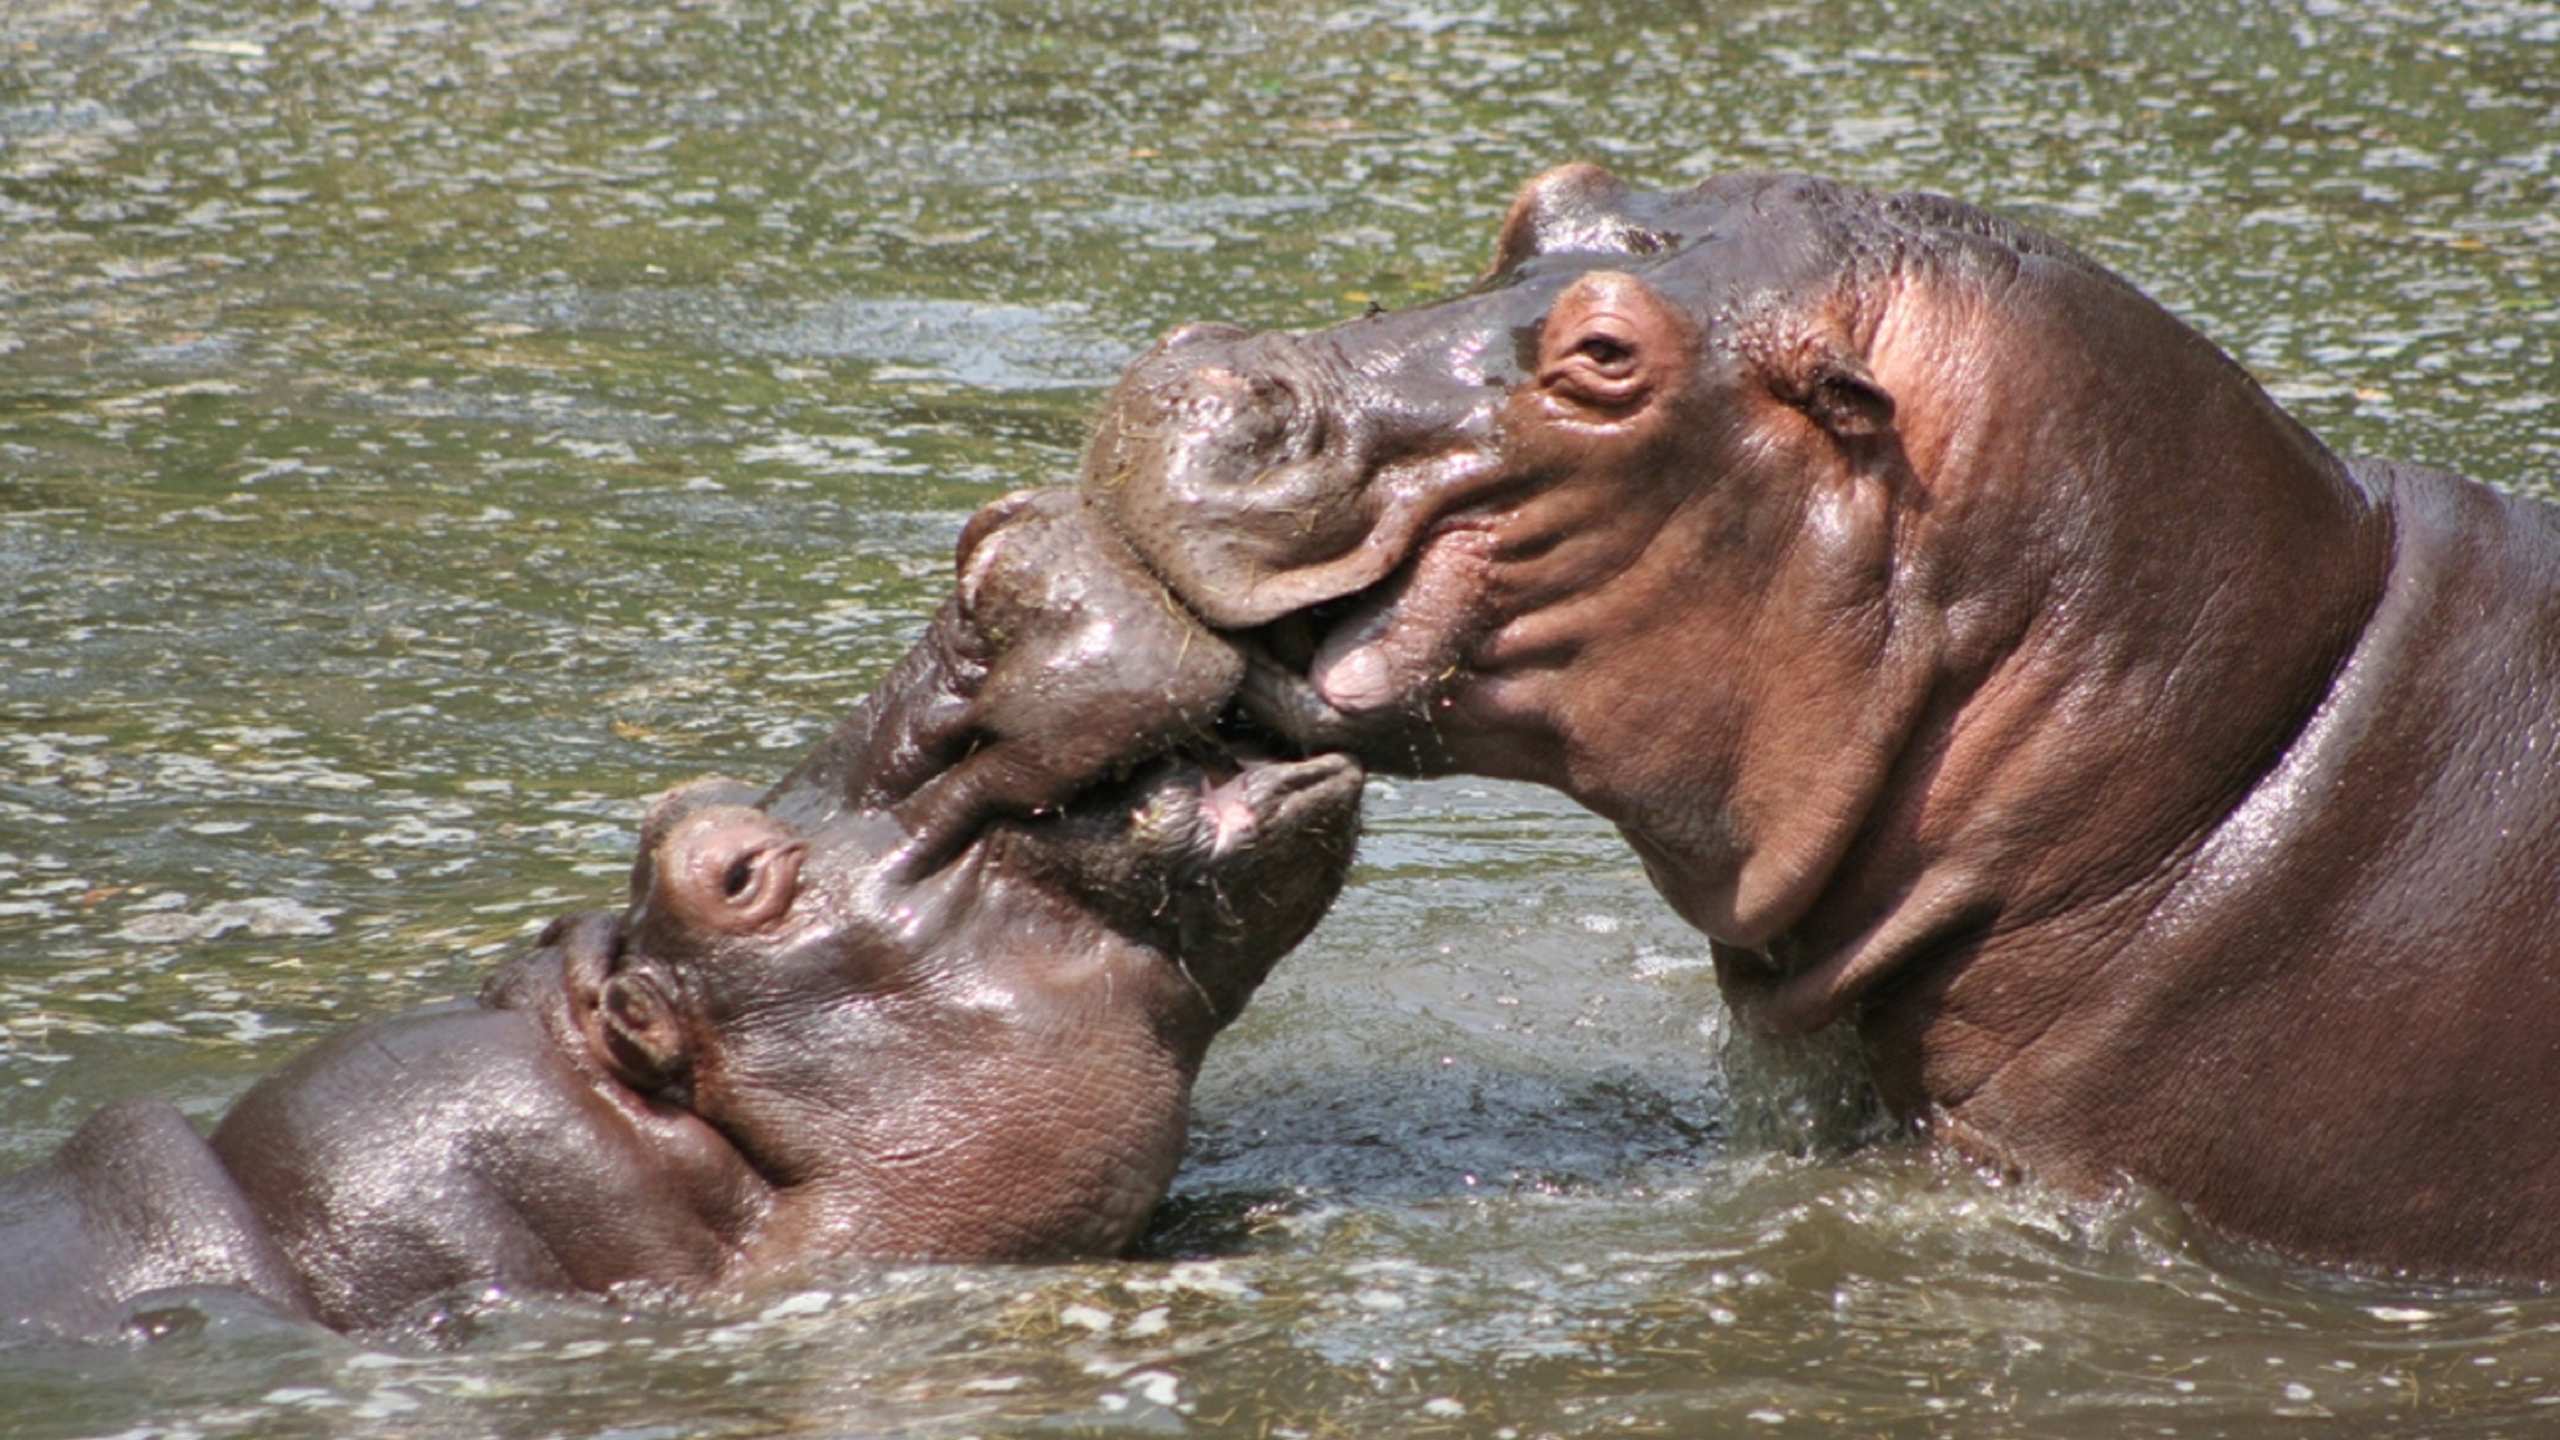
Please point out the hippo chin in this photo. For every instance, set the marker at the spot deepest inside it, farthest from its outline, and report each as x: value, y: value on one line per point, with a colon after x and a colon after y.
x: 814, y: 1030
x: 1973, y: 651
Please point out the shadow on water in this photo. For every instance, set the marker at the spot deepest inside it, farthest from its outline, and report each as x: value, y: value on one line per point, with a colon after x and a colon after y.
x: 1419, y: 1136
x: 427, y: 430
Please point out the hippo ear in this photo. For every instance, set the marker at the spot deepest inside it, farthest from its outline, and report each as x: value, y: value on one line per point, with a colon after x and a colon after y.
x: 1839, y: 393
x: 1578, y: 207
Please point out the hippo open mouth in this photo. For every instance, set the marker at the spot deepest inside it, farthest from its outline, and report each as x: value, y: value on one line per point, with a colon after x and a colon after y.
x: 1330, y: 504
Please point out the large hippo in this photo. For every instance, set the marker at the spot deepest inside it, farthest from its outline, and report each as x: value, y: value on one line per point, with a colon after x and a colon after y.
x: 1968, y: 647
x: 820, y: 1026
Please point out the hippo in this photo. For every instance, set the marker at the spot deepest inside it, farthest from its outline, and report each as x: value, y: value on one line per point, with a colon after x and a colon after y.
x: 922, y: 998
x: 1971, y: 650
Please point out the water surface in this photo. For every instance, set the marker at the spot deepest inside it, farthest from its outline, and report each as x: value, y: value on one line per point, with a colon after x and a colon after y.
x: 426, y: 429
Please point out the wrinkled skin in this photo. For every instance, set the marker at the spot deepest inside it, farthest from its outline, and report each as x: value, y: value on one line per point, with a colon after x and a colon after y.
x: 812, y: 1031
x: 1971, y: 650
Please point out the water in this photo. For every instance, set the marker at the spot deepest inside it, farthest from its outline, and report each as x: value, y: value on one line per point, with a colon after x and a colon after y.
x: 426, y: 429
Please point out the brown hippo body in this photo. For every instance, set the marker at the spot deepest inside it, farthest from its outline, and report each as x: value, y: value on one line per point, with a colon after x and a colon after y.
x: 1973, y: 651
x: 940, y: 993
x: 2332, y: 1021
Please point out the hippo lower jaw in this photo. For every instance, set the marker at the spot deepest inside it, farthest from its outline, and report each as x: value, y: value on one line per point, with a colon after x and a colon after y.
x: 1218, y: 806
x: 1223, y: 817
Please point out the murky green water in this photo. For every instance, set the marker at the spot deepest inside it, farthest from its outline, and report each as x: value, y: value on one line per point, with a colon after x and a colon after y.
x: 426, y: 428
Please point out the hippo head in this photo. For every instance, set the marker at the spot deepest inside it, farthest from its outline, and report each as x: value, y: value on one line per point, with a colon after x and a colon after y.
x: 1402, y: 504
x: 974, y: 1034
x: 1710, y: 508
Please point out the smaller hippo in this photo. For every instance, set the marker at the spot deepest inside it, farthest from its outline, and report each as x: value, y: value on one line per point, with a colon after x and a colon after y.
x: 812, y: 1031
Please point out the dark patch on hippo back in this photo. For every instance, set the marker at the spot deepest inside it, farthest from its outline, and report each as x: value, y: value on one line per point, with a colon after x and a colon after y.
x: 1856, y: 237
x: 1815, y: 244
x: 1953, y: 229
x: 1824, y: 246
x: 1864, y: 238
x: 1954, y: 239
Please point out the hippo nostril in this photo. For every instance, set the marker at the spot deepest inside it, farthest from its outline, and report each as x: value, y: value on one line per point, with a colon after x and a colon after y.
x: 630, y: 1006
x: 741, y: 874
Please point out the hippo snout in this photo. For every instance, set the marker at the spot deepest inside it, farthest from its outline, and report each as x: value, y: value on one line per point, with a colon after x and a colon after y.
x: 1261, y: 474
x: 1245, y: 416
x: 1224, y: 405
x: 1240, y: 445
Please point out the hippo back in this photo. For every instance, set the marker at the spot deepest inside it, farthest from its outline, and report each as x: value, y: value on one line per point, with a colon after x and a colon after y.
x: 134, y: 1202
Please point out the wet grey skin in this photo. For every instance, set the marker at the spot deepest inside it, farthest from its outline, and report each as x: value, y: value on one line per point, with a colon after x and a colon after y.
x: 937, y: 994
x: 1973, y: 651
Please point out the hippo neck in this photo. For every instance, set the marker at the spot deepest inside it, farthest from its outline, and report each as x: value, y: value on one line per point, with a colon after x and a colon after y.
x: 1080, y: 1182
x: 2133, y: 630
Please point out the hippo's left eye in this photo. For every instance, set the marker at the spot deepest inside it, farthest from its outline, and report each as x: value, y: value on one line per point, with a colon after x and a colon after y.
x: 1612, y: 355
x: 1601, y: 368
x: 730, y: 868
x: 760, y: 884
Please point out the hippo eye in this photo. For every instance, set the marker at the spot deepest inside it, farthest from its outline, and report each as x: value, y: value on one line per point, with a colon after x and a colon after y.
x: 759, y: 883
x: 1600, y: 369
x: 1612, y: 355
